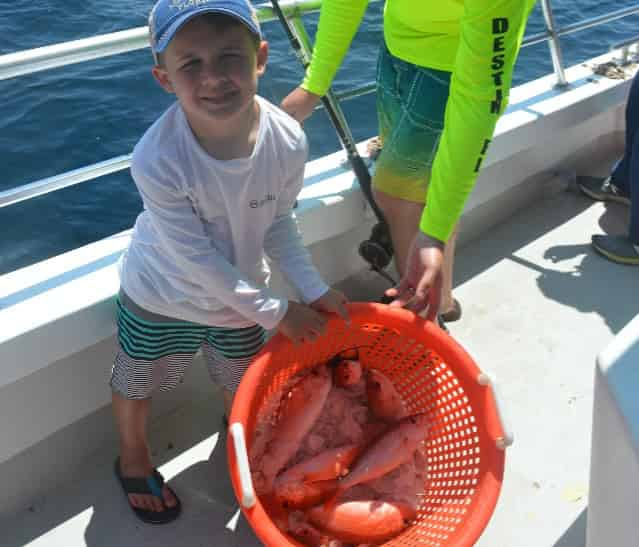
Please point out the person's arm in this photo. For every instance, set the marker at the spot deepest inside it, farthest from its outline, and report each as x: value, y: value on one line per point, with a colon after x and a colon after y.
x: 338, y: 23
x: 284, y: 246
x: 491, y: 34
x: 184, y: 239
x: 283, y: 241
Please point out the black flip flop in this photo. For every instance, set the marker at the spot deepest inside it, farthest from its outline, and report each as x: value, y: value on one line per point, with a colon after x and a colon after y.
x: 149, y: 485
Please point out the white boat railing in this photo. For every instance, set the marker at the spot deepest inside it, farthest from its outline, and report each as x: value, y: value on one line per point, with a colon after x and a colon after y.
x: 625, y: 48
x: 35, y: 60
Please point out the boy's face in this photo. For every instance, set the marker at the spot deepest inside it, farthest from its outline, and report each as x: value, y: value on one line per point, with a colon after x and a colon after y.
x: 213, y: 70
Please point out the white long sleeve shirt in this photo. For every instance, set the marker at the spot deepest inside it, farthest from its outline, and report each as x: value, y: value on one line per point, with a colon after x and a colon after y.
x: 197, y: 250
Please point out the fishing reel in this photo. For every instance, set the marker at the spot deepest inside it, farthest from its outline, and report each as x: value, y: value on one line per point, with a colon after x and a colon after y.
x: 377, y: 250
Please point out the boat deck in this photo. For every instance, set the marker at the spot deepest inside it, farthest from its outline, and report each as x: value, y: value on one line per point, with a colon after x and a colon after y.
x: 539, y: 305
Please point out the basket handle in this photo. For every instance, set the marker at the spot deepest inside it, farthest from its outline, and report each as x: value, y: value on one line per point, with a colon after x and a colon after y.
x: 508, y: 438
x: 241, y: 457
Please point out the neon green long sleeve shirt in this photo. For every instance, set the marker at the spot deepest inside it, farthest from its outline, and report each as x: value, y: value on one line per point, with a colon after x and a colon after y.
x: 476, y: 40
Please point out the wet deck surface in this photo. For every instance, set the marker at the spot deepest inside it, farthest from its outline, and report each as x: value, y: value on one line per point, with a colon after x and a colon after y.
x: 539, y: 304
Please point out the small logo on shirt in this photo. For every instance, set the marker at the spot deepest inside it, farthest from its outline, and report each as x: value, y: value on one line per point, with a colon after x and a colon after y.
x: 254, y: 203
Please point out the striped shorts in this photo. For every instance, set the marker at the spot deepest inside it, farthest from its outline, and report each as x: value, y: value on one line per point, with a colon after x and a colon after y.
x: 155, y: 351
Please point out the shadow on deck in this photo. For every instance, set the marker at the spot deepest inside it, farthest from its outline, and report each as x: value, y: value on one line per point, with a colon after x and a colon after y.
x: 539, y: 304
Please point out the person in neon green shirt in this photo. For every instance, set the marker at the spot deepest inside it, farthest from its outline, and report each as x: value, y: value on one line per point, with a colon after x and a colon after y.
x: 444, y: 75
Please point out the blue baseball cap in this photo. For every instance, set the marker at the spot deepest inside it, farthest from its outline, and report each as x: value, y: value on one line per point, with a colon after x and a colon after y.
x: 168, y: 16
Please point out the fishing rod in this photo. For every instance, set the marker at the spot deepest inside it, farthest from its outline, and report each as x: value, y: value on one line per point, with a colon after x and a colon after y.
x: 378, y: 249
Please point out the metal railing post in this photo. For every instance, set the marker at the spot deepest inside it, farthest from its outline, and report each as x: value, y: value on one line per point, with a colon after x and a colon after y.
x: 57, y: 182
x: 625, y: 49
x: 553, y: 43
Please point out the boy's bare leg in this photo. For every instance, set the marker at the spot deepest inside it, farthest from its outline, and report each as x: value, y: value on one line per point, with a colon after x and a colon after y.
x: 135, y: 459
x: 403, y: 220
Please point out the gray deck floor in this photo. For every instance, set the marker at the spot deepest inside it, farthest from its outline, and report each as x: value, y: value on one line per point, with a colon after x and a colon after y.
x: 539, y: 305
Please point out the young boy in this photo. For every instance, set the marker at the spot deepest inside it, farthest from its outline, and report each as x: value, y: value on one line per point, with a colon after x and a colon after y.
x: 219, y: 173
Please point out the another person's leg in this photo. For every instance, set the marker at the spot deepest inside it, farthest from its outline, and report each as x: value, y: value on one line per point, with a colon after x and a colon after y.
x: 403, y: 221
x: 411, y: 105
x: 624, y: 249
x: 625, y: 169
x: 228, y: 353
x: 450, y: 308
x: 153, y: 355
x: 633, y: 228
x: 616, y: 187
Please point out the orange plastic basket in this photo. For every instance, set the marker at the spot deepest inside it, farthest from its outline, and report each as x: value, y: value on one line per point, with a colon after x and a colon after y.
x: 465, y: 449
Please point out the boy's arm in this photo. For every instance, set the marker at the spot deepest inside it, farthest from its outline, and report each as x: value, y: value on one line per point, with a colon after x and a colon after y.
x: 491, y: 34
x: 338, y: 23
x: 283, y: 243
x: 184, y: 239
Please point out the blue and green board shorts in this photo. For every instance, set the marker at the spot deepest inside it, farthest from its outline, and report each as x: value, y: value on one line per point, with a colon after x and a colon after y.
x: 155, y: 351
x: 411, y: 103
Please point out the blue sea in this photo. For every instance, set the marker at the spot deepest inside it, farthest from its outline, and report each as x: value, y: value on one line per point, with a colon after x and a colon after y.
x: 70, y: 117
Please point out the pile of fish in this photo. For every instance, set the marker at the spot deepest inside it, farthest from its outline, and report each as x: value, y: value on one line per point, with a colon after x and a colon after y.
x: 337, y: 461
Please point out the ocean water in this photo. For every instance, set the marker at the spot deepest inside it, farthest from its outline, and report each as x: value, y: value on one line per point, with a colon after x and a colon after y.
x: 73, y: 116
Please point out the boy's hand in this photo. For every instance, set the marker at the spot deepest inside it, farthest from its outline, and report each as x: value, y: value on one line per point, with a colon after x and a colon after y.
x: 332, y: 301
x: 301, y: 323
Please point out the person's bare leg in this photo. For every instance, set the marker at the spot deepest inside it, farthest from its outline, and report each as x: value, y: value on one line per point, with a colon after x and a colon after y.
x: 135, y: 458
x: 403, y: 221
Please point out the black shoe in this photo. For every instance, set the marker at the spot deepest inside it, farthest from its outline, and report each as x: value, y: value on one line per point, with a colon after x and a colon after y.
x: 440, y: 320
x: 386, y: 299
x: 454, y: 314
x: 442, y: 324
x: 602, y: 189
x: 619, y: 249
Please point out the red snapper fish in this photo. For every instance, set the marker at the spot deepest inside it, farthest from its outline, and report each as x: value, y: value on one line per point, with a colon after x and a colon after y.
x: 395, y: 447
x: 300, y: 408
x: 312, y: 481
x: 383, y: 399
x: 347, y: 373
x: 366, y: 521
x: 327, y: 465
x: 302, y: 495
x: 304, y: 532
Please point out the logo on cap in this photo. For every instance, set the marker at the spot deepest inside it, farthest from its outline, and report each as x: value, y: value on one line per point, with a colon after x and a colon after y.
x: 181, y: 4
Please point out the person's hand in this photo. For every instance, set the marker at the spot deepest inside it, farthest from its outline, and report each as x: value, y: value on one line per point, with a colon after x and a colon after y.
x: 300, y: 104
x: 332, y: 301
x: 421, y: 285
x: 302, y: 323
